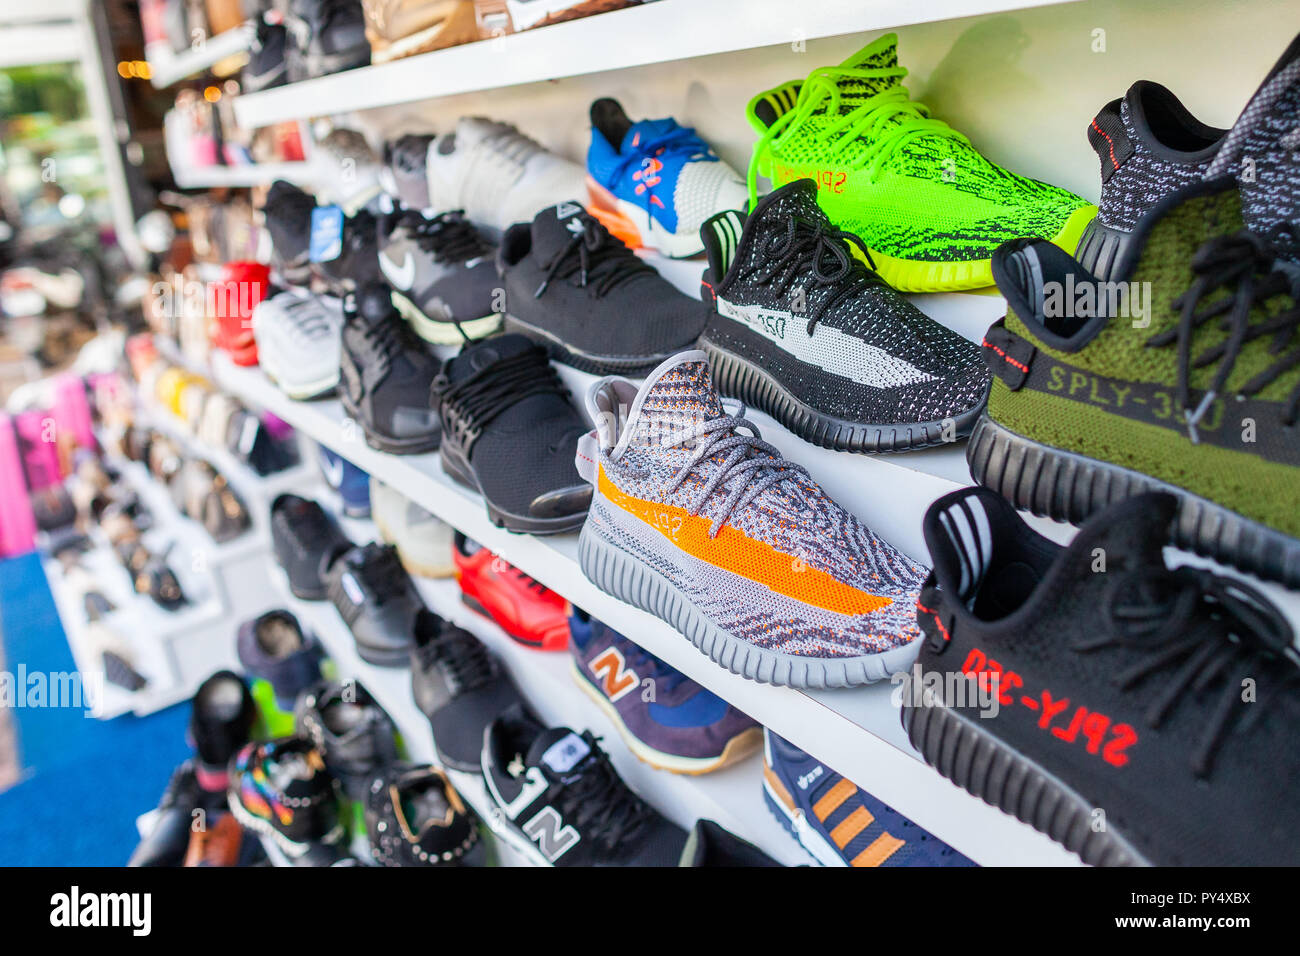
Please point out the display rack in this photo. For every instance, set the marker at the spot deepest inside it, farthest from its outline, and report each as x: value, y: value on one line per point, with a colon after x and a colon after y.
x: 167, y: 67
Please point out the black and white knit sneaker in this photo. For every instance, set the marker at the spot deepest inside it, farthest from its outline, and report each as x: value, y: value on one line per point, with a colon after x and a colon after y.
x: 801, y: 329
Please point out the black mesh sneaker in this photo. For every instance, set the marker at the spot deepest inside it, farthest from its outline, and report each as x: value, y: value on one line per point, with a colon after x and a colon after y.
x: 415, y: 817
x: 1150, y: 146
x: 328, y: 36
x: 1133, y: 712
x: 582, y: 293
x: 354, y: 735
x: 804, y: 331
x: 385, y: 372
x: 459, y: 686
x: 287, y: 214
x: 562, y: 803
x: 302, y: 534
x: 376, y: 598
x: 443, y: 274
x: 510, y: 431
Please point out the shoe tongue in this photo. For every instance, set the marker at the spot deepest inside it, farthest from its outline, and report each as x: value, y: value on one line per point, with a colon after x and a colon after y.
x: 554, y: 228
x: 645, y: 131
x: 558, y: 751
x: 676, y: 397
x: 1126, y: 536
x: 879, y: 55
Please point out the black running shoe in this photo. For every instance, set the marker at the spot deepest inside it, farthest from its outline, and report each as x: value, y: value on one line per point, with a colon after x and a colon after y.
x: 357, y: 265
x: 1135, y: 713
x: 588, y: 298
x: 287, y: 213
x: 406, y: 170
x: 267, y: 67
x: 1150, y: 146
x: 353, y: 733
x: 562, y: 803
x: 221, y: 720
x: 802, y: 330
x: 443, y: 274
x: 385, y: 375
x: 459, y: 685
x: 302, y: 534
x: 376, y: 598
x: 510, y: 431
x: 415, y: 817
x: 329, y: 36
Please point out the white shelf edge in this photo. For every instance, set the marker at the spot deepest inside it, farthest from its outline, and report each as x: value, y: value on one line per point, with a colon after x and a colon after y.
x: 167, y: 67
x: 659, y: 32
x: 254, y: 174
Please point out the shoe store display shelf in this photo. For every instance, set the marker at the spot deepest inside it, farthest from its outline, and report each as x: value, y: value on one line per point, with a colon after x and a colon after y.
x: 189, y: 175
x: 665, y: 31
x: 167, y: 66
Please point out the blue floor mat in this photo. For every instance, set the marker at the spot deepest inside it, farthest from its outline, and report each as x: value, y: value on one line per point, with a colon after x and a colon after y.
x: 84, y: 780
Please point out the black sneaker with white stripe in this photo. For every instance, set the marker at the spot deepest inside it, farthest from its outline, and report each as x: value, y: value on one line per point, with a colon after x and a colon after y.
x: 803, y: 330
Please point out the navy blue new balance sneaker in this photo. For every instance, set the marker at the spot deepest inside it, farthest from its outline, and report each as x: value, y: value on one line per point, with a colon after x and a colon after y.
x: 838, y: 823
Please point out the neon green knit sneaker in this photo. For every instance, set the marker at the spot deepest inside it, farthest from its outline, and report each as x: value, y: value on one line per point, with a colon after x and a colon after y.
x: 930, y: 207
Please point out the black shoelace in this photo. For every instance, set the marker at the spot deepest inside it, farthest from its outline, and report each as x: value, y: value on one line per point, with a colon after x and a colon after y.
x: 601, y: 262
x: 820, y: 255
x: 381, y: 572
x: 595, y: 797
x: 448, y: 236
x: 464, y: 661
x: 479, y: 399
x: 1243, y: 264
x: 1209, y: 630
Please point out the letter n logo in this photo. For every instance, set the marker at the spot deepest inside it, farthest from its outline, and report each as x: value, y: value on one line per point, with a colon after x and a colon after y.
x: 615, y: 676
x: 552, y: 836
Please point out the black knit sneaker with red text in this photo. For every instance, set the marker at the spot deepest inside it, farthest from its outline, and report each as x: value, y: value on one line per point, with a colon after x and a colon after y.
x: 1134, y: 712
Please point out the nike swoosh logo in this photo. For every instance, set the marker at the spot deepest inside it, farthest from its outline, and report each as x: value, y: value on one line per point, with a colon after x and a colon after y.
x: 333, y: 472
x: 403, y: 276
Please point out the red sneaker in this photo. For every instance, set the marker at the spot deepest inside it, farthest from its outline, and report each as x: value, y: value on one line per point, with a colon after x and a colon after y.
x: 230, y: 306
x: 531, y: 613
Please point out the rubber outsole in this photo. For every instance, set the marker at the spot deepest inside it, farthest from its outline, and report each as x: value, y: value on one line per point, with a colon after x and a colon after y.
x: 740, y: 378
x: 1002, y: 777
x: 616, y: 572
x: 444, y: 331
x: 586, y: 361
x: 1066, y: 486
x: 558, y: 643
x: 455, y: 465
x: 1101, y: 248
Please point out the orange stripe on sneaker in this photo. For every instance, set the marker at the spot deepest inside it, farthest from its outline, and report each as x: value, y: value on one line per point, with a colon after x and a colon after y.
x: 732, y: 550
x: 880, y: 850
x: 832, y: 798
x: 844, y: 831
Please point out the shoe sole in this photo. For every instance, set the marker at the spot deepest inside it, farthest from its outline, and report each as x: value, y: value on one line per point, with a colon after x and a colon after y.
x: 916, y: 275
x: 301, y: 392
x: 400, y: 658
x: 813, y: 843
x: 263, y: 829
x: 740, y: 378
x: 736, y: 749
x: 1067, y: 486
x: 414, y: 567
x: 1101, y: 248
x: 394, y: 446
x: 616, y: 215
x: 455, y: 465
x: 587, y: 361
x: 444, y: 332
x: 458, y: 26
x: 983, y: 765
x: 616, y: 572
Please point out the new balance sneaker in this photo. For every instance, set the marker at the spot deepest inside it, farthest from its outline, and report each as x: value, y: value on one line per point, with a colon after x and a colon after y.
x: 376, y: 599
x: 423, y: 540
x: 415, y: 817
x: 329, y: 36
x: 385, y: 376
x: 281, y: 661
x: 1150, y: 145
x: 460, y: 686
x: 802, y: 330
x: 503, y: 406
x: 653, y: 183
x: 526, y: 609
x: 354, y: 735
x: 286, y: 212
x: 443, y: 273
x: 406, y: 170
x: 588, y: 298
x: 497, y: 175
x: 267, y: 67
x: 298, y: 337
x: 302, y: 535
x: 1096, y: 684
x: 929, y: 207
x: 664, y: 717
x: 281, y: 790
x: 526, y: 14
x: 562, y: 803
x: 697, y: 520
x: 397, y: 28
x: 349, y: 482
x: 1182, y: 378
x: 838, y: 823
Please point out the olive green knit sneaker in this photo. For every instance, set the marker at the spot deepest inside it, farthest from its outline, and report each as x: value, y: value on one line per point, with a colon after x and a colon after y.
x: 928, y: 205
x: 1181, y: 374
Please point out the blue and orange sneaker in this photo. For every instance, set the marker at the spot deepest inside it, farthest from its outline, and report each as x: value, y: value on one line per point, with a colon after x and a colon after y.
x: 664, y: 717
x: 653, y: 183
x: 838, y: 823
x: 281, y: 789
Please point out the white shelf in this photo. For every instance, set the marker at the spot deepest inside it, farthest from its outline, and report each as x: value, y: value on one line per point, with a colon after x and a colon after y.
x: 236, y: 177
x: 167, y: 67
x: 660, y: 32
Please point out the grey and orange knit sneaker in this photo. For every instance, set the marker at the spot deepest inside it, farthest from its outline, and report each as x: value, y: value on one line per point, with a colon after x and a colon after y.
x: 696, y: 519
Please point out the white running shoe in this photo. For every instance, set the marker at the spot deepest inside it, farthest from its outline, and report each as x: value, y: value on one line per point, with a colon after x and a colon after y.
x: 423, y: 540
x: 298, y: 340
